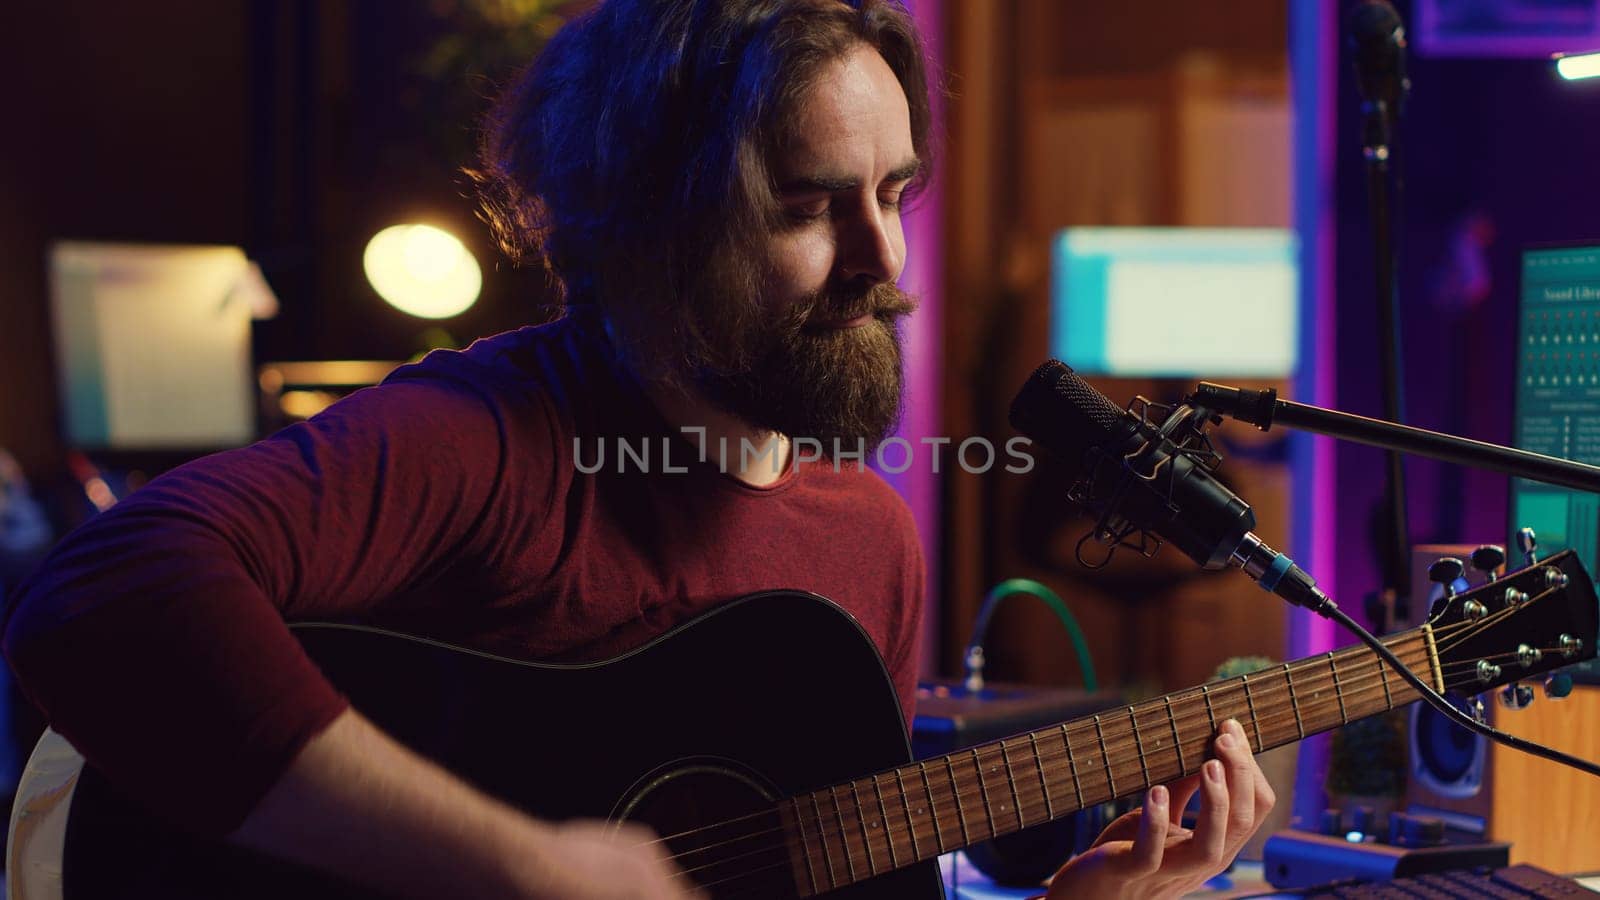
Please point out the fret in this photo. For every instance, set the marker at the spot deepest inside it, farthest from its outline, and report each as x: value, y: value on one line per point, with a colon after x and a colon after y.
x: 1255, y: 720
x: 1333, y: 668
x: 1072, y: 764
x: 1271, y: 726
x: 1011, y: 779
x: 805, y: 845
x: 888, y: 835
x: 861, y: 816
x: 1294, y: 703
x: 1323, y: 715
x: 905, y: 803
x: 844, y: 833
x: 1362, y: 696
x: 1157, y: 764
x: 961, y: 810
x: 1177, y: 741
x: 999, y: 795
x: 1383, y: 678
x: 1044, y: 786
x: 933, y: 808
x: 1369, y: 695
x: 822, y: 837
x: 1105, y: 755
x: 983, y: 793
x: 1205, y: 691
x: 1422, y: 669
x: 1138, y: 746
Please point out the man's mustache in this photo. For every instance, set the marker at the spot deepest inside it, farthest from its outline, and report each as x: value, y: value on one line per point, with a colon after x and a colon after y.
x: 884, y: 300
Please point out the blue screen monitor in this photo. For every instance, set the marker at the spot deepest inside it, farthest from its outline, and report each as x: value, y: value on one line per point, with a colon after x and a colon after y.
x: 1557, y: 403
x: 1175, y: 302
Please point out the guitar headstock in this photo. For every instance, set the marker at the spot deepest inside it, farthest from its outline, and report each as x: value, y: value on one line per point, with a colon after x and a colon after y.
x: 1529, y: 622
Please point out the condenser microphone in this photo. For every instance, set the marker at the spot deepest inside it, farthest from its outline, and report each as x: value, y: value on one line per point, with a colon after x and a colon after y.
x: 1139, y: 475
x: 1378, y: 50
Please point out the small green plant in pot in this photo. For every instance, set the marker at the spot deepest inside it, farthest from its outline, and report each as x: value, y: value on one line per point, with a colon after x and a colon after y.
x: 1278, y: 764
x: 1367, y: 765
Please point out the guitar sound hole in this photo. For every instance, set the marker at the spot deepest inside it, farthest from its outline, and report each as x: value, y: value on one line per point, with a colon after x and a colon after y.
x: 720, y: 823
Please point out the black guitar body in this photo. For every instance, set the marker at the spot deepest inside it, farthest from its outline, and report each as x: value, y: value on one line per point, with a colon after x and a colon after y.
x: 771, y: 696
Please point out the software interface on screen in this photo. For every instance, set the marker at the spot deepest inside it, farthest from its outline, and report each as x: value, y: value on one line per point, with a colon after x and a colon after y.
x: 1558, y: 394
x: 1175, y: 302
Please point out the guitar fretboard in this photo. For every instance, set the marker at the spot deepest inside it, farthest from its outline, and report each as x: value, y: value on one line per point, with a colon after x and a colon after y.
x: 848, y: 832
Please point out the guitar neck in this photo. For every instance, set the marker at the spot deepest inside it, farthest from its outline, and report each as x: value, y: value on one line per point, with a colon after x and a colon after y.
x: 855, y: 830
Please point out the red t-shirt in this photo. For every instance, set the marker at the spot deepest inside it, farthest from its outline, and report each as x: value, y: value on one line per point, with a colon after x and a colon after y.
x: 448, y: 501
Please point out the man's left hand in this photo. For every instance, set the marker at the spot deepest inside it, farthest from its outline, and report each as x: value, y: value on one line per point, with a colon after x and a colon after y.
x: 1149, y: 854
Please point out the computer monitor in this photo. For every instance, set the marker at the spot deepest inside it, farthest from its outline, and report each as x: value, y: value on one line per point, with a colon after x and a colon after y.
x: 153, y: 344
x: 1557, y: 401
x: 1175, y: 302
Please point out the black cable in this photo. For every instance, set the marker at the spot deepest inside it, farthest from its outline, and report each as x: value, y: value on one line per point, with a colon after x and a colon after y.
x: 1437, y: 701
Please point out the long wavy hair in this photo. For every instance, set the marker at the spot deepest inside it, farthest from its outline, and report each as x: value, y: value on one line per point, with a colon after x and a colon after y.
x: 630, y: 160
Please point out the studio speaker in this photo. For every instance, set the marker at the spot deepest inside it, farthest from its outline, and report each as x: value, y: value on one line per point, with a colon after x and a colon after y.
x: 1446, y: 762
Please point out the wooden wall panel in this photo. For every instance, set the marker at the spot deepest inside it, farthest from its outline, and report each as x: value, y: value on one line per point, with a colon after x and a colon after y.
x: 1549, y: 812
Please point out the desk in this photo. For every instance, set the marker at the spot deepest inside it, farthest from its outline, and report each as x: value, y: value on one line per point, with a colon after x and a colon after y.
x: 963, y: 882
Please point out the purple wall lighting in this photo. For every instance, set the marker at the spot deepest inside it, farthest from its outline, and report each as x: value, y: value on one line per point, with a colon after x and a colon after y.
x: 1314, y: 56
x: 923, y: 277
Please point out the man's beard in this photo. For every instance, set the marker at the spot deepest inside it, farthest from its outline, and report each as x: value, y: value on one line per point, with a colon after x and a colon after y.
x: 838, y: 386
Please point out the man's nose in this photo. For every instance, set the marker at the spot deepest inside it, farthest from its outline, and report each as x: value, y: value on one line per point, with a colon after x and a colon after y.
x: 869, y: 248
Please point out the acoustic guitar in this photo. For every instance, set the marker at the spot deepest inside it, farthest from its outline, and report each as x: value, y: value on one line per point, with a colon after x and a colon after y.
x: 763, y: 741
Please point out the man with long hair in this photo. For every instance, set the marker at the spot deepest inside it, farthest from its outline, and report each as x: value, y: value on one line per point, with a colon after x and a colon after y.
x: 715, y: 188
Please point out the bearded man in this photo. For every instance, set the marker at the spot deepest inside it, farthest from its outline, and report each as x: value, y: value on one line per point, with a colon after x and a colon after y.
x: 716, y: 189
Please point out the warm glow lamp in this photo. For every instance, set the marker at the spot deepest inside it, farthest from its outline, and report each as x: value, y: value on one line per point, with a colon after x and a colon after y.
x: 1579, y: 65
x: 422, y: 270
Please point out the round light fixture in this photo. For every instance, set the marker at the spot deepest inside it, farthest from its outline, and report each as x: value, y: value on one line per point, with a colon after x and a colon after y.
x: 422, y: 270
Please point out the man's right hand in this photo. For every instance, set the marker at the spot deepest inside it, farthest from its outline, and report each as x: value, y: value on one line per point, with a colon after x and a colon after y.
x: 595, y: 861
x: 357, y: 802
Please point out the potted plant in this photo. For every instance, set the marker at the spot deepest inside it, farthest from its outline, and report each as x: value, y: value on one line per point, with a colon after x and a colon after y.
x: 1367, y: 765
x: 1278, y: 764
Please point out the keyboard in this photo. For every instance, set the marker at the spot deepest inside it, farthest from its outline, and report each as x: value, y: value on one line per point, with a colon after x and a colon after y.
x: 1511, y: 883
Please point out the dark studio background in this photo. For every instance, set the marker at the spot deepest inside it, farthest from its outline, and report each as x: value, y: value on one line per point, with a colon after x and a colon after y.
x: 1497, y: 155
x: 297, y: 129
x: 294, y: 129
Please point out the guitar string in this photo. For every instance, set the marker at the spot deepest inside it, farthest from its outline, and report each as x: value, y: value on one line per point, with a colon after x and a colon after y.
x: 790, y: 844
x: 1214, y: 689
x: 1453, y: 639
x: 825, y: 832
x: 1119, y: 737
x: 1508, y: 657
x: 1119, y: 734
x: 890, y: 827
x: 1316, y: 662
x: 1118, y: 742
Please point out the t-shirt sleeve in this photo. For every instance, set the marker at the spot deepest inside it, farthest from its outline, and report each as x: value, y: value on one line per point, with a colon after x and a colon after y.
x: 153, y: 637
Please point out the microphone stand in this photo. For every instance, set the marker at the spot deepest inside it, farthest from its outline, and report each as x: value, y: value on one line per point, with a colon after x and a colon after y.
x: 1375, y: 150
x: 1377, y: 39
x: 1263, y: 409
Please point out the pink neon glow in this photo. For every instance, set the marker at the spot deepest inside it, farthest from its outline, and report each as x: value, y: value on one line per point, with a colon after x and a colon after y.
x: 923, y: 277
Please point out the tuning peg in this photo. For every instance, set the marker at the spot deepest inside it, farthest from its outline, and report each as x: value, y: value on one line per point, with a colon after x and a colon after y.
x: 1558, y: 686
x: 1516, y: 696
x: 1488, y: 559
x: 1444, y: 572
x: 1528, y: 544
